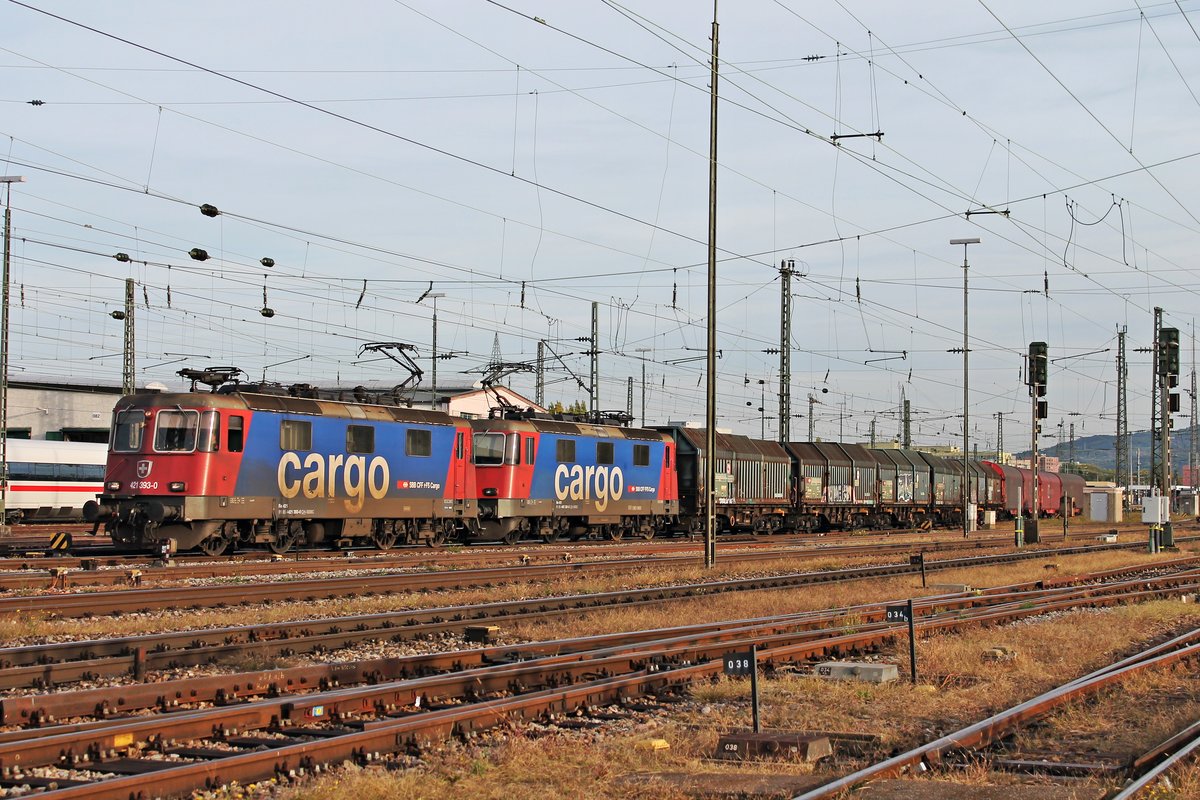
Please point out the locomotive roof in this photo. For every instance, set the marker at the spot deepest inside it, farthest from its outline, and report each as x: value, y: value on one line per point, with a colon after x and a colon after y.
x: 289, y: 405
x: 567, y: 428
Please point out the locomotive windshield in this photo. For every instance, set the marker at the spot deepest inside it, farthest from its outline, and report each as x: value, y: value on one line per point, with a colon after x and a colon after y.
x: 488, y: 449
x: 127, y: 431
x: 175, y: 431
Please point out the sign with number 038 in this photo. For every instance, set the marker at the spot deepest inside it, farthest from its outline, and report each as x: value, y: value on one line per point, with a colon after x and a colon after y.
x: 738, y: 664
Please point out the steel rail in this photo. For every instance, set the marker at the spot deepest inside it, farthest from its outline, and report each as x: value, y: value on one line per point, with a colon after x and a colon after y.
x: 999, y: 725
x: 36, y: 710
x: 54, y: 576
x: 1180, y: 747
x: 397, y: 734
x: 52, y: 664
x: 566, y: 668
x: 137, y: 600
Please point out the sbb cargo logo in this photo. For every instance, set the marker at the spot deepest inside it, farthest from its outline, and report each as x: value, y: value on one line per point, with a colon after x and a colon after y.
x: 578, y: 482
x: 318, y: 476
x: 636, y: 489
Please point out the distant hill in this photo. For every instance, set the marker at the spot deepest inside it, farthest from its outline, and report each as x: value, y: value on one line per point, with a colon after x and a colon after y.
x: 1101, y: 451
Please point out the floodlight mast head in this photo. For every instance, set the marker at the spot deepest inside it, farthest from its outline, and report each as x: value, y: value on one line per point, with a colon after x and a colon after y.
x: 964, y: 241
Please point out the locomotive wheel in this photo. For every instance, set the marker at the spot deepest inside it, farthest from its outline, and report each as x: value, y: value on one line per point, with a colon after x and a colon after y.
x: 647, y: 532
x: 215, y: 545
x: 513, y: 536
x: 284, y: 540
x: 613, y: 533
x: 384, y: 537
x: 440, y: 535
x: 552, y: 536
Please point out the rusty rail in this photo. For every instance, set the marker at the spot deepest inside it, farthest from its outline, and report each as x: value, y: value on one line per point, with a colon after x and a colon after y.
x: 583, y: 683
x: 85, y: 604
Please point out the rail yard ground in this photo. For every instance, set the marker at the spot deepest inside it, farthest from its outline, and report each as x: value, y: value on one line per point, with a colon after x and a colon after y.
x: 617, y: 750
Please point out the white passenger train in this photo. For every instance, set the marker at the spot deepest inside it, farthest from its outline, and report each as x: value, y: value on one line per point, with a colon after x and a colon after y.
x: 50, y: 481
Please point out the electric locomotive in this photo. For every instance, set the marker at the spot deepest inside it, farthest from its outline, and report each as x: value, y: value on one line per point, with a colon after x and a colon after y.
x: 257, y: 464
x: 550, y: 478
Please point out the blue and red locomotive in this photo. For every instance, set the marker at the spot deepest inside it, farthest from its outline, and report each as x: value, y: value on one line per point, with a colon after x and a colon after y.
x: 257, y: 464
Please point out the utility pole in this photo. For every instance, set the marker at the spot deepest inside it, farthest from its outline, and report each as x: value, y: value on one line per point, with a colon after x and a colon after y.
x: 872, y: 431
x: 643, y: 358
x: 906, y: 439
x: 129, y: 365
x: 629, y: 398
x: 710, y: 394
x: 1155, y: 369
x: 595, y: 398
x: 999, y: 437
x: 1123, y: 462
x: 539, y: 379
x: 967, y: 510
x: 786, y: 268
x: 812, y: 418
x: 8, y: 181
x: 1071, y: 450
x: 433, y: 399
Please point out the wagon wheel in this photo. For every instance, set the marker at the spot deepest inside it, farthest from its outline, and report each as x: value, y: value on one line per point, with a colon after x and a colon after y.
x: 385, y: 535
x: 285, y: 539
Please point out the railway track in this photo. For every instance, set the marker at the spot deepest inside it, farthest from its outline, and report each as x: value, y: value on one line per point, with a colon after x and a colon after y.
x: 87, y: 604
x: 28, y: 575
x: 1146, y: 767
x: 51, y: 665
x: 298, y: 734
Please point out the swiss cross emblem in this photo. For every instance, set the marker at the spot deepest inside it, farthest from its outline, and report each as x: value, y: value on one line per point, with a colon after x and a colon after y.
x: 143, y: 468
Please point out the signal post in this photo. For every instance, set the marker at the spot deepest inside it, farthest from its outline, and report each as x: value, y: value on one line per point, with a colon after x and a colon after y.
x: 1036, y: 377
x: 1168, y: 379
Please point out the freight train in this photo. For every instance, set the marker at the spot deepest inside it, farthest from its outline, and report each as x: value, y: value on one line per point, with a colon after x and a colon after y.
x: 260, y: 464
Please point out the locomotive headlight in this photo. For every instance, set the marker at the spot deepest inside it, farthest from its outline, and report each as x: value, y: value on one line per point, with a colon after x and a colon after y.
x: 177, y: 486
x: 114, y: 486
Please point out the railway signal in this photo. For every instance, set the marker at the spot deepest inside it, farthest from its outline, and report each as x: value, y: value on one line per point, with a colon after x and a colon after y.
x: 1037, y: 377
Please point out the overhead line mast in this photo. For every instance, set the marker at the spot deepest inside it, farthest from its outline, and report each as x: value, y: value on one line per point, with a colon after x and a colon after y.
x: 710, y: 415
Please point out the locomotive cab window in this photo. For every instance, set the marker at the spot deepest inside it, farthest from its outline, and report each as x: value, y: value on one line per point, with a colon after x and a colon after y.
x: 360, y: 439
x: 529, y: 450
x: 418, y: 442
x: 564, y: 451
x: 641, y: 455
x: 604, y: 453
x: 210, y: 432
x: 127, y: 431
x: 295, y: 434
x: 512, y: 449
x: 235, y: 434
x: 175, y: 431
x: 488, y: 449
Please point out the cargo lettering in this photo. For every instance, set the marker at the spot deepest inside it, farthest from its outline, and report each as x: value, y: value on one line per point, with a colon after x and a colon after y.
x: 578, y: 482
x: 318, y: 476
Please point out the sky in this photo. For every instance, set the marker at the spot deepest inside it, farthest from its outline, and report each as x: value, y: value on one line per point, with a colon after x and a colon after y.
x: 524, y: 160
